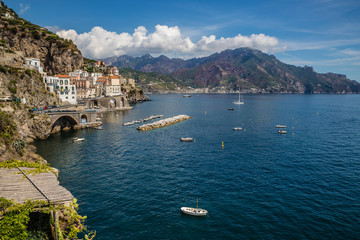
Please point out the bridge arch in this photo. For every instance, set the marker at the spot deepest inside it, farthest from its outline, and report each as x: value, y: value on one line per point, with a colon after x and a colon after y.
x: 122, y: 102
x: 112, y: 103
x: 84, y: 118
x: 64, y: 122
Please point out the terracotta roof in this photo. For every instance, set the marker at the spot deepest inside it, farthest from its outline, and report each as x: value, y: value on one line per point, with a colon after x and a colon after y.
x: 62, y: 76
x: 112, y: 77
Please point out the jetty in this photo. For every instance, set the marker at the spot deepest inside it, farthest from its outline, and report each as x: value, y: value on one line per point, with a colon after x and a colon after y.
x: 163, y: 123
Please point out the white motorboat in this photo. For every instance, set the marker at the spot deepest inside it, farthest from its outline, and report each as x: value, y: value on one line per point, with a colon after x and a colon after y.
x: 98, y: 128
x: 280, y: 126
x: 237, y: 128
x: 76, y: 139
x: 186, y: 139
x: 187, y: 95
x: 282, y: 132
x: 240, y: 101
x: 198, y: 212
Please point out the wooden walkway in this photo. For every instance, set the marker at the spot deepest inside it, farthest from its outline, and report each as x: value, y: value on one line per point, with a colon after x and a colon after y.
x: 41, y: 186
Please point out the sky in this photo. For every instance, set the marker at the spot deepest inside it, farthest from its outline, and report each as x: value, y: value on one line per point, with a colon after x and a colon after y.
x: 324, y: 34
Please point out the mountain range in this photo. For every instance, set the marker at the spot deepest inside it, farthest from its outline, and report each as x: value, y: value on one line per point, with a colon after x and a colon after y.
x: 247, y: 69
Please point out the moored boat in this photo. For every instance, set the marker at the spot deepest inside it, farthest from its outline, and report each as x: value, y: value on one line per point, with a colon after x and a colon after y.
x: 187, y: 95
x: 186, y: 139
x: 237, y: 128
x: 280, y: 126
x: 282, y: 132
x: 198, y: 212
x: 230, y: 109
x: 194, y: 211
x: 76, y: 139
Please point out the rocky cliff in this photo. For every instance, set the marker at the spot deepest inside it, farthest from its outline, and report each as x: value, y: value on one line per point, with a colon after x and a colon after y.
x: 29, y: 40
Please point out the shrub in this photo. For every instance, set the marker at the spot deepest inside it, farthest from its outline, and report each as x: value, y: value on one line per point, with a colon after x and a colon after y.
x: 3, y: 69
x: 7, y: 126
x: 28, y: 72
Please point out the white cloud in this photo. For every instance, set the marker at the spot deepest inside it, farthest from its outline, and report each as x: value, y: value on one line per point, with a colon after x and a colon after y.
x: 100, y: 43
x: 24, y: 8
x: 53, y: 28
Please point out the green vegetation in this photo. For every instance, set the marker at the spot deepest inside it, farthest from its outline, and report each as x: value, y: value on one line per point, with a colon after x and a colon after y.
x: 7, y: 127
x: 162, y: 82
x: 14, y: 223
x: 37, y: 167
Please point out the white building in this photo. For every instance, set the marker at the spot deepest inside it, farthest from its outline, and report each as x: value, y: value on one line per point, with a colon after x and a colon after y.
x: 34, y: 63
x: 112, y: 86
x: 94, y: 77
x: 51, y: 82
x: 67, y: 91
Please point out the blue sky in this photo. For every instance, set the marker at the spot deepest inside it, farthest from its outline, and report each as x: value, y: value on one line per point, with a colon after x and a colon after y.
x: 324, y: 34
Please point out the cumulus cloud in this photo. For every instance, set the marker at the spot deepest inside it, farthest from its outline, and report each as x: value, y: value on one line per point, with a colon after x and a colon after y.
x: 100, y: 43
x: 24, y: 8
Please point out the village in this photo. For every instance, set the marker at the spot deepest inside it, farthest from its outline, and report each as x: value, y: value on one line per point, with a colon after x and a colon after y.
x: 104, y: 88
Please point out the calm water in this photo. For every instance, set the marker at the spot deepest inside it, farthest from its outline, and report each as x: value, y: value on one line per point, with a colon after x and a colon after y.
x: 262, y: 185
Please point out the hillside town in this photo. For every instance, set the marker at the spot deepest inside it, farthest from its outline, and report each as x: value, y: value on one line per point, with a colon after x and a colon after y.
x: 80, y: 86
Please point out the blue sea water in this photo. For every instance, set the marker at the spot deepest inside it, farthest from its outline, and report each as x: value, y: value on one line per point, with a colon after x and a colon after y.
x: 261, y: 185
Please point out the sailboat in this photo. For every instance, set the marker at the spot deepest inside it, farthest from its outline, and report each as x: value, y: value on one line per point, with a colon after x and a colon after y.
x: 239, y: 101
x: 194, y: 211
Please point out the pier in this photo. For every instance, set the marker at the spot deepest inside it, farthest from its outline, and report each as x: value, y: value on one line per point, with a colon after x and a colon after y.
x: 163, y: 123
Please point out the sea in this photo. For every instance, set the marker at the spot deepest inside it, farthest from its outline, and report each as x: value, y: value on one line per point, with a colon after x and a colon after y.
x: 254, y: 183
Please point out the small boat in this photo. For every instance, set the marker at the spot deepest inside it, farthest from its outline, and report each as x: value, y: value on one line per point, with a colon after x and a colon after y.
x: 98, y: 119
x: 198, y: 212
x: 282, y: 132
x: 240, y: 101
x: 128, y: 123
x: 98, y: 128
x: 186, y: 139
x: 280, y: 126
x: 76, y: 139
x: 230, y: 109
x: 237, y: 128
x: 187, y: 95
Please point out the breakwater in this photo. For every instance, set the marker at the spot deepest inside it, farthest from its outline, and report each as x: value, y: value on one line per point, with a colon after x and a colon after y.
x: 163, y: 123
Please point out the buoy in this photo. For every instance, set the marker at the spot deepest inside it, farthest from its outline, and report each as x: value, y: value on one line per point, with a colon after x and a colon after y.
x: 222, y: 144
x: 318, y: 113
x: 194, y: 139
x: 205, y: 112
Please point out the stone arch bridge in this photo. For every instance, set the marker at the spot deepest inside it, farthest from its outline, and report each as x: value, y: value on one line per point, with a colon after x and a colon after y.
x: 70, y: 118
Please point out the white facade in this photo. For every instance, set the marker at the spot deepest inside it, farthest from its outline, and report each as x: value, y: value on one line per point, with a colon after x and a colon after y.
x: 34, y: 63
x: 67, y: 91
x: 81, y: 73
x: 94, y: 77
x: 51, y: 82
x: 110, y: 91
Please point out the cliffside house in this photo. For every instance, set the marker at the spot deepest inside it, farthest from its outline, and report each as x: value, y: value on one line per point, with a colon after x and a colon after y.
x: 34, y: 63
x: 67, y: 91
x: 51, y: 83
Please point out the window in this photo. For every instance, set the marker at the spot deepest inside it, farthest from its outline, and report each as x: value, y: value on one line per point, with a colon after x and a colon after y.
x: 66, y: 97
x: 66, y: 82
x: 61, y: 82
